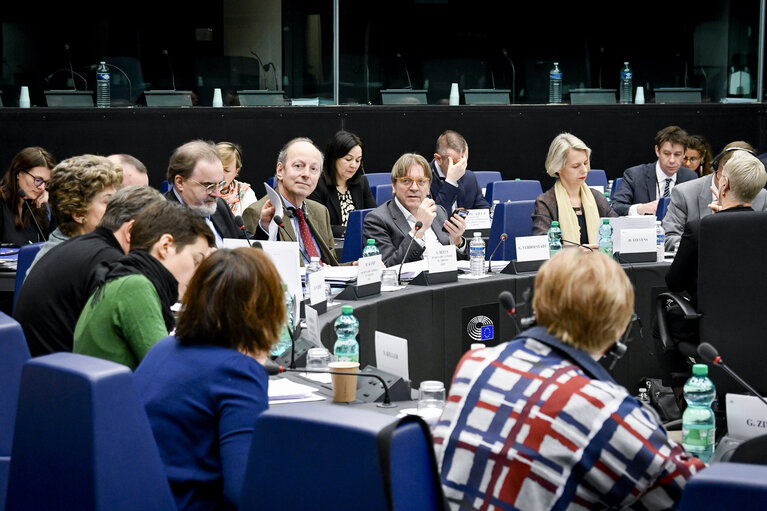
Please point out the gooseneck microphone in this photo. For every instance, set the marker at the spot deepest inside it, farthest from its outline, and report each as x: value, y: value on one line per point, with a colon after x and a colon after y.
x: 503, y: 239
x: 23, y: 195
x: 577, y: 244
x: 248, y: 237
x: 273, y: 369
x: 417, y: 228
x: 71, y: 69
x: 513, y: 74
x: 170, y: 66
x: 508, y: 303
x: 407, y: 74
x: 281, y: 224
x: 711, y: 355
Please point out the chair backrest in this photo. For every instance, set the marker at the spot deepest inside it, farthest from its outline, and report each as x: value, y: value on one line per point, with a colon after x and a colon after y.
x: 515, y: 219
x: 726, y: 486
x: 382, y: 193
x: 732, y: 279
x: 353, y: 242
x: 13, y: 353
x: 164, y: 186
x: 519, y: 189
x: 27, y: 254
x: 378, y: 178
x: 660, y: 211
x: 597, y: 177
x: 83, y: 441
x: 357, y: 444
x: 487, y: 176
x: 616, y: 184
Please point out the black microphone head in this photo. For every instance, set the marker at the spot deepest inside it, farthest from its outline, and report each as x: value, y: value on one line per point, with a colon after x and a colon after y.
x: 507, y: 300
x: 22, y: 193
x: 418, y: 225
x: 277, y: 219
x: 271, y: 367
x: 708, y: 353
x: 504, y: 236
x: 239, y: 221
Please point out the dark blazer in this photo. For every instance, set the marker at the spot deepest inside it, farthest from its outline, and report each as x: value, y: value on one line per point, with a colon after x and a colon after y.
x: 468, y: 193
x: 387, y: 225
x: 640, y: 186
x: 326, y: 194
x: 682, y: 275
x: 223, y: 218
x: 546, y: 210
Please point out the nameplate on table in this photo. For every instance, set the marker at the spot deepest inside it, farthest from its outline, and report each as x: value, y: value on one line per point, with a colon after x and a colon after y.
x: 315, y: 282
x: 391, y: 354
x: 369, y: 270
x: 746, y: 416
x: 442, y: 258
x: 599, y: 188
x: 619, y: 223
x: 478, y: 219
x: 312, y: 332
x: 638, y: 241
x: 532, y: 248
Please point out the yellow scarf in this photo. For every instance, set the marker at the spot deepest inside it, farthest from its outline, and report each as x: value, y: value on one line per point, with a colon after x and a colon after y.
x: 568, y: 220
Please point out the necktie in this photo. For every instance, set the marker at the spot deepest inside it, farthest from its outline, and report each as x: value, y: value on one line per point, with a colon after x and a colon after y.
x: 306, y: 235
x: 666, y: 192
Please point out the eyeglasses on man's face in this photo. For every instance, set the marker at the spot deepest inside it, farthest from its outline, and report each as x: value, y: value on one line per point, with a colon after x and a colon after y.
x: 408, y: 181
x: 211, y: 187
x: 38, y: 181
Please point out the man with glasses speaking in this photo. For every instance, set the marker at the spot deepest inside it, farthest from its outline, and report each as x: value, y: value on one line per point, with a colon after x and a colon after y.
x: 392, y: 224
x: 196, y: 176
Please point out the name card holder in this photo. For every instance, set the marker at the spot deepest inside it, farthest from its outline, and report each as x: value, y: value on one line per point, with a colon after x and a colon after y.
x: 637, y: 257
x: 637, y: 246
x: 518, y: 267
x: 320, y: 307
x: 426, y: 279
x: 355, y: 292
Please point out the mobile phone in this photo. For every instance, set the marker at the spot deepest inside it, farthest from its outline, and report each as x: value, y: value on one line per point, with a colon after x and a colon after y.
x: 462, y: 212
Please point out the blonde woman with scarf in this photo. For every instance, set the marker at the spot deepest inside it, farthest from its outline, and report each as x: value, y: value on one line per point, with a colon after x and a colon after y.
x: 570, y: 201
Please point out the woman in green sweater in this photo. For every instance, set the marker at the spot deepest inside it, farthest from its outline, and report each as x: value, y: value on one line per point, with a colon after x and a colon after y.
x: 131, y: 308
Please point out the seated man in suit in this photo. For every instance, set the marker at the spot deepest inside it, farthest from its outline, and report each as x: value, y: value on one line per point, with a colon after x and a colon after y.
x: 392, y: 224
x: 134, y: 172
x: 196, y: 176
x: 690, y: 201
x: 452, y: 185
x: 299, y: 166
x: 644, y: 184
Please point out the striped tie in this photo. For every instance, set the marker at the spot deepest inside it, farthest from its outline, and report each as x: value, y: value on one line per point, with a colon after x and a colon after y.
x: 666, y: 192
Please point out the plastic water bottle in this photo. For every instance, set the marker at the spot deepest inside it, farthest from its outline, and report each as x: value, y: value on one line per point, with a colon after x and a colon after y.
x: 285, y: 341
x: 346, y: 348
x: 609, y: 200
x: 555, y: 238
x: 555, y: 84
x: 370, y: 249
x: 477, y: 255
x: 103, y: 91
x: 312, y: 267
x: 606, y: 237
x: 627, y: 84
x: 661, y: 240
x: 698, y: 426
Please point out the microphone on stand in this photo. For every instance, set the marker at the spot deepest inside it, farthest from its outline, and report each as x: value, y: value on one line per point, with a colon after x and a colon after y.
x: 513, y: 74
x: 273, y: 369
x: 23, y: 196
x: 507, y: 301
x: 170, y: 66
x: 241, y: 225
x: 504, y: 237
x: 71, y: 69
x: 404, y: 64
x: 417, y: 228
x: 710, y: 355
x: 577, y: 244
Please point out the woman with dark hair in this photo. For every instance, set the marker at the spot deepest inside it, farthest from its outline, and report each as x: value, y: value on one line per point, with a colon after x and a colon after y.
x: 343, y: 186
x: 26, y: 181
x: 698, y: 155
x: 204, y: 387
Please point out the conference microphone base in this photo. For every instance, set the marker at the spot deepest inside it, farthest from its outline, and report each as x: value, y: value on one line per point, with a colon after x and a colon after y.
x: 428, y: 279
x: 353, y: 292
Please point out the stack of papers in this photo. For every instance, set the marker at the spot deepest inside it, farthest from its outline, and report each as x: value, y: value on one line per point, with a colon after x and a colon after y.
x: 283, y: 390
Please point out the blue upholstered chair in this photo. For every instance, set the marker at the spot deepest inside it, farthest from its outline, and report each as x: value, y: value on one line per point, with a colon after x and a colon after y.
x: 487, y: 176
x: 660, y: 212
x: 164, y: 186
x: 13, y: 353
x: 726, y: 486
x: 378, y: 178
x: 616, y: 184
x: 597, y: 177
x: 515, y: 219
x: 383, y: 192
x: 353, y: 242
x: 27, y: 254
x: 378, y: 462
x: 83, y: 441
x: 517, y: 190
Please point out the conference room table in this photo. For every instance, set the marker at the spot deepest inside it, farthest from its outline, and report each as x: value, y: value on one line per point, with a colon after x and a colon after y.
x: 434, y: 320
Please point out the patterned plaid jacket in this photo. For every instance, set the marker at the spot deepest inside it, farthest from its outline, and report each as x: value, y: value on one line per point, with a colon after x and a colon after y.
x: 535, y: 424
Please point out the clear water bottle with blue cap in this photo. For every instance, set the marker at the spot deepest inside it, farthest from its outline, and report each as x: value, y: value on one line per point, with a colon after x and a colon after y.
x: 698, y: 422
x: 103, y: 89
x: 477, y: 255
x: 627, y: 84
x: 346, y: 348
x: 555, y: 84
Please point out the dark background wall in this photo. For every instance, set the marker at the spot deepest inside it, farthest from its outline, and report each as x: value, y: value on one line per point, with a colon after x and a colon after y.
x: 511, y: 139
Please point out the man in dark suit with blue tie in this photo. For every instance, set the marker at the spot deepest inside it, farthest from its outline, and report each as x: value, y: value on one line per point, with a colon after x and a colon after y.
x: 453, y: 186
x: 644, y: 184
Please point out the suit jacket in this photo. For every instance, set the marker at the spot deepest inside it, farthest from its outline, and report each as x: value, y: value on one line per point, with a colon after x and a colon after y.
x: 640, y: 186
x: 387, y: 225
x: 546, y: 210
x: 689, y: 201
x: 223, y: 218
x: 468, y: 193
x: 317, y: 217
x: 325, y: 194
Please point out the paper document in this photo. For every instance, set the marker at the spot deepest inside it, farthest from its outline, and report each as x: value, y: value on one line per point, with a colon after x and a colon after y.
x: 283, y: 388
x: 274, y: 198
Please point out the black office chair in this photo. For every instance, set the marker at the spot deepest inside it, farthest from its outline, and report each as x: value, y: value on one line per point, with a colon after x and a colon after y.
x: 731, y: 301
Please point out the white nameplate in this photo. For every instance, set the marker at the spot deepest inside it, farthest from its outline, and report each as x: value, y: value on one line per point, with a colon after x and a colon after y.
x: 312, y: 332
x: 599, y: 188
x: 369, y: 270
x: 391, y: 354
x: 746, y: 416
x: 315, y: 282
x: 478, y: 219
x: 635, y: 241
x: 532, y: 248
x: 442, y: 258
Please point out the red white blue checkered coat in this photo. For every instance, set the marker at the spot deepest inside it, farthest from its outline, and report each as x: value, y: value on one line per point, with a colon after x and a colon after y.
x: 536, y: 424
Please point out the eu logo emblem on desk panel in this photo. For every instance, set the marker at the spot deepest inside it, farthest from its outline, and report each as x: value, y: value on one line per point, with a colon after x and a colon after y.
x: 479, y: 324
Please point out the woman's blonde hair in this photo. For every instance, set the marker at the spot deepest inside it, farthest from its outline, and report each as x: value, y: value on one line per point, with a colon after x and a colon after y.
x: 583, y: 298
x: 555, y: 160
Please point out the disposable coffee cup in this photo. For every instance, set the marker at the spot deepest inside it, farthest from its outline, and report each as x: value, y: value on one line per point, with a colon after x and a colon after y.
x: 217, y: 99
x: 344, y: 387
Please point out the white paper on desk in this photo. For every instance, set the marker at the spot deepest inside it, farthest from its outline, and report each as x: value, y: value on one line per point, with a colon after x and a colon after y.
x: 599, y: 188
x: 276, y: 201
x: 315, y: 283
x: 478, y: 219
x: 637, y: 241
x: 340, y: 273
x: 283, y: 388
x: 441, y: 258
x: 312, y: 332
x: 532, y: 248
x: 369, y: 270
x: 618, y: 223
x: 391, y: 354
